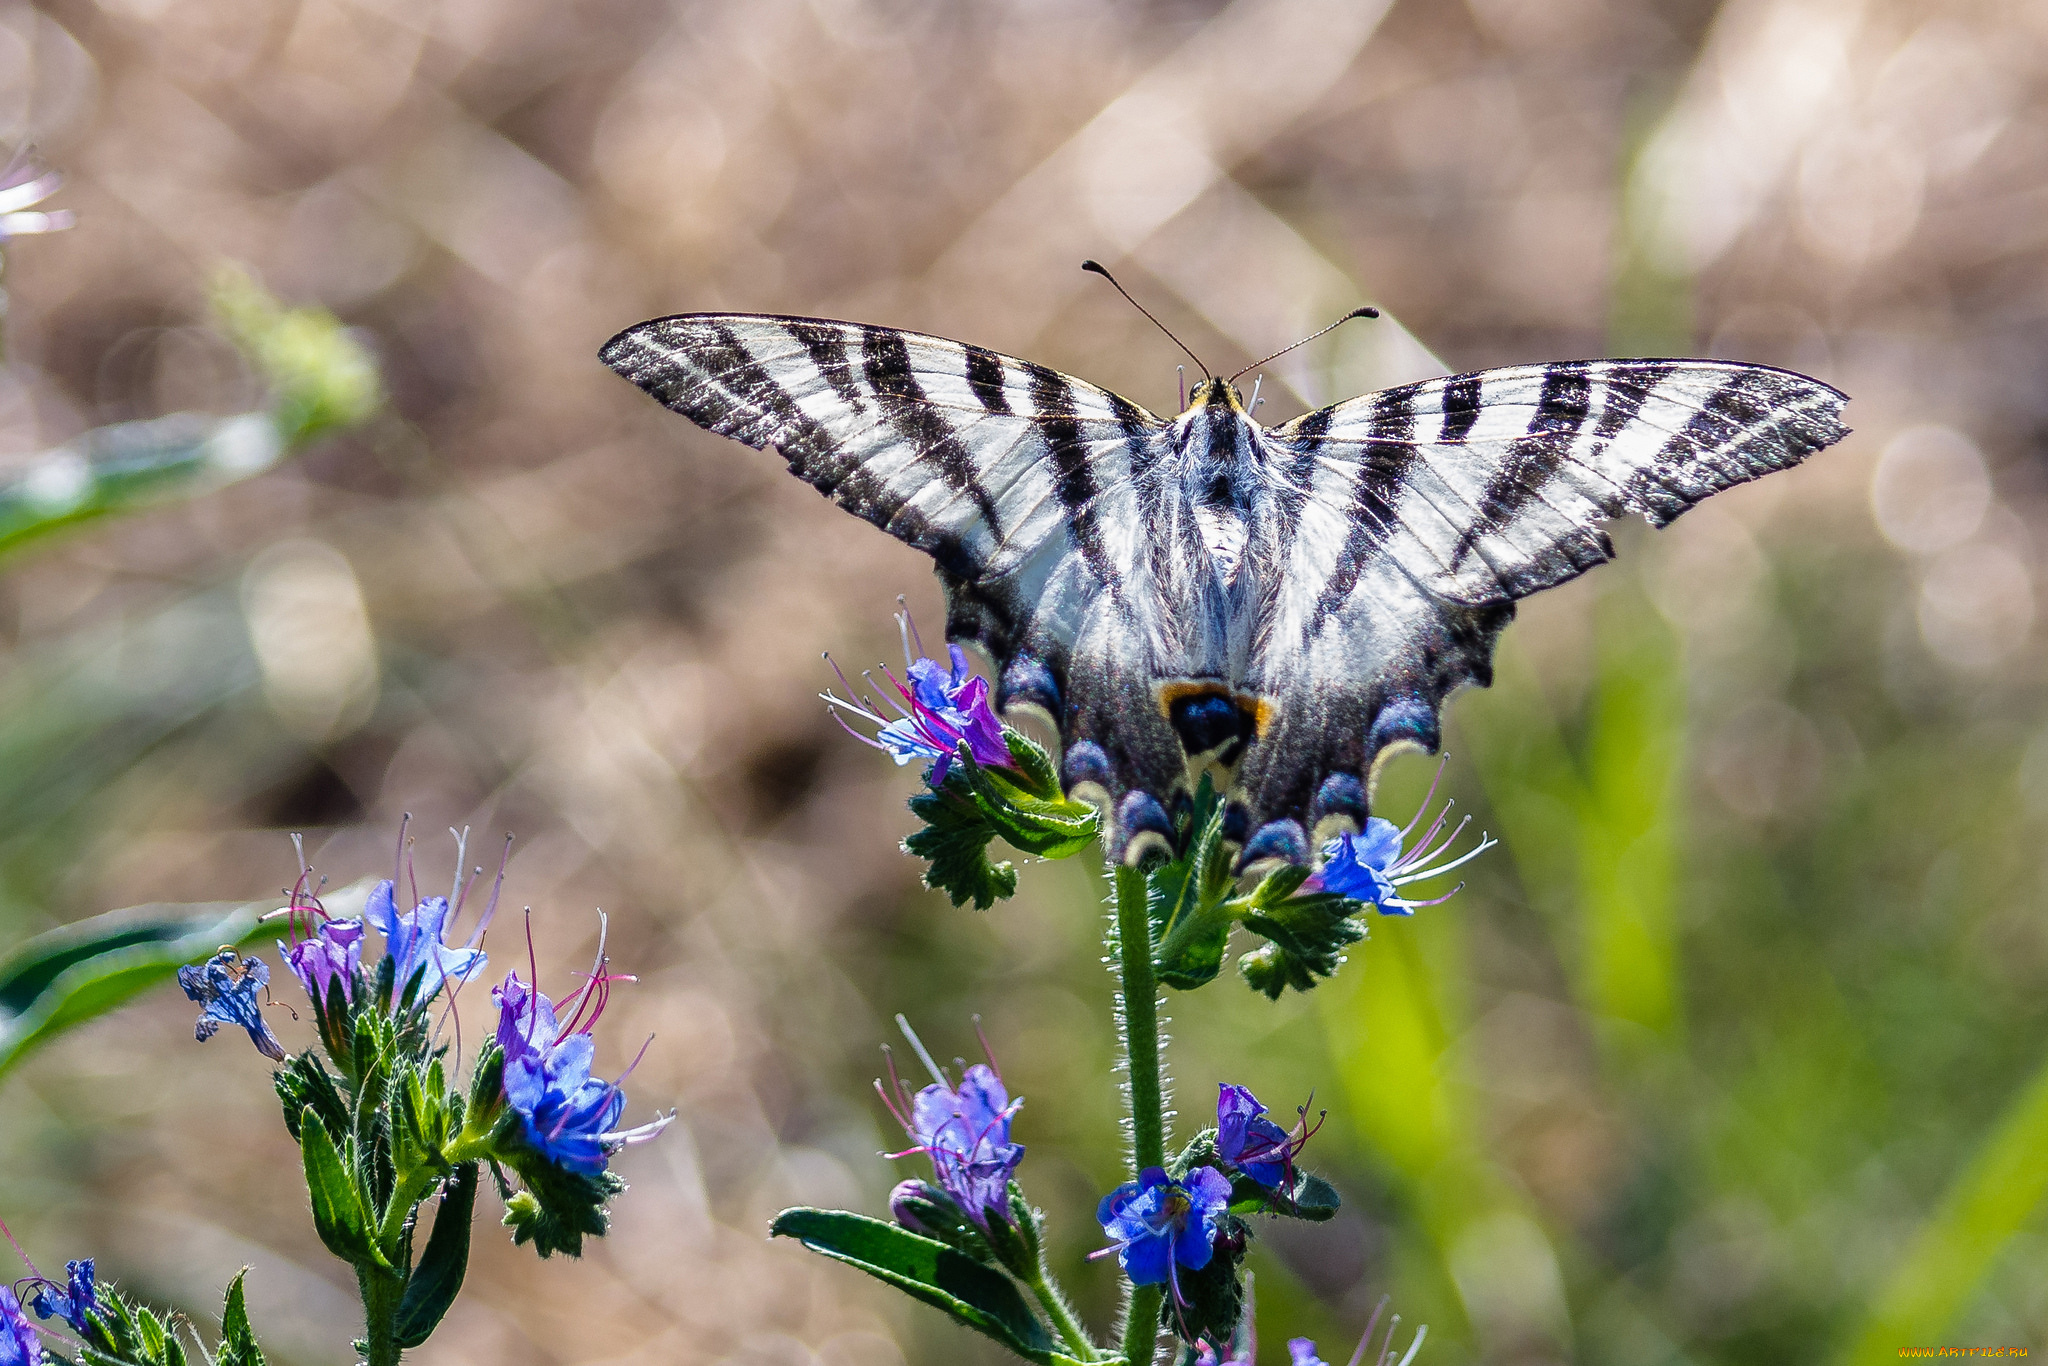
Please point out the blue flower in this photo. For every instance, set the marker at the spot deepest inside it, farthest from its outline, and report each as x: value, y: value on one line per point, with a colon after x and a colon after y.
x: 566, y: 1115
x: 1157, y: 1224
x: 964, y: 1129
x: 72, y: 1303
x: 19, y: 1345
x: 226, y: 985
x: 1250, y: 1143
x: 416, y: 943
x: 942, y: 709
x: 1370, y: 866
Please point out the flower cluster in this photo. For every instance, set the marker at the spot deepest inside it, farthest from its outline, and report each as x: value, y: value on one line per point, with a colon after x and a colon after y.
x: 943, y: 707
x: 565, y: 1114
x: 1370, y: 865
x: 964, y: 1129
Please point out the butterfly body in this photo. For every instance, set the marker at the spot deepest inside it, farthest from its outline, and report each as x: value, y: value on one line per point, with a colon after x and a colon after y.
x: 1276, y: 607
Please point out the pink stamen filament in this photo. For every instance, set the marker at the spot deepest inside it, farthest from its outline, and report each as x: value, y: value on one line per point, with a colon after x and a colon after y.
x: 1427, y: 797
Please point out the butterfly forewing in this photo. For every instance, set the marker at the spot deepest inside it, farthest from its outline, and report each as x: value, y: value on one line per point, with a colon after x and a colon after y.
x: 1280, y: 605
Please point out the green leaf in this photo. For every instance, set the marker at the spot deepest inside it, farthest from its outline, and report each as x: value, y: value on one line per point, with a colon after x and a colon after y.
x: 338, y: 1214
x: 129, y: 465
x: 560, y: 1207
x: 1308, y: 1197
x: 1306, y: 935
x: 80, y: 971
x: 1188, y: 898
x: 305, y: 1083
x: 237, y: 1340
x: 975, y: 805
x: 975, y: 1295
x: 954, y: 844
x: 438, y: 1276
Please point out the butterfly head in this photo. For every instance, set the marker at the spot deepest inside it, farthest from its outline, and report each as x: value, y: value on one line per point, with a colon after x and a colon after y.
x: 1216, y: 391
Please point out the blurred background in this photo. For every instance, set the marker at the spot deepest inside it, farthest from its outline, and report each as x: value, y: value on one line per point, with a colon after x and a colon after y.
x: 1737, y: 1051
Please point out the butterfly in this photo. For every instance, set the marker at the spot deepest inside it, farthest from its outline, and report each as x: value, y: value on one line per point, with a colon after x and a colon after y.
x: 1278, y: 608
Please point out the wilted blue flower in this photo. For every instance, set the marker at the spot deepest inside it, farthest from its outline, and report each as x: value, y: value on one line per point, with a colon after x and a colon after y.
x: 1369, y: 865
x: 23, y: 184
x: 1249, y: 1142
x: 19, y: 1345
x: 226, y: 985
x: 964, y: 1129
x: 1157, y: 1224
x: 78, y: 1298
x: 567, y: 1115
x: 942, y: 709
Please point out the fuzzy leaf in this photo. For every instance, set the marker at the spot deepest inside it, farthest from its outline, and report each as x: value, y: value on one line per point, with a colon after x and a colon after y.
x: 237, y: 1339
x: 561, y: 1207
x: 438, y: 1276
x: 1188, y: 898
x: 975, y: 1295
x: 1307, y: 937
x: 338, y: 1214
x: 976, y: 805
x: 954, y: 844
x: 1308, y: 1197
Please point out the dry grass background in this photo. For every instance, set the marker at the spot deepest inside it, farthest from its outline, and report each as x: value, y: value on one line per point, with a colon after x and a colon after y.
x: 528, y: 600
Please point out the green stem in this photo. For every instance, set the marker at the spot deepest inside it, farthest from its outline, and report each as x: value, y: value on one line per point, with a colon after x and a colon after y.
x: 1064, y: 1321
x: 1145, y: 1084
x: 382, y: 1292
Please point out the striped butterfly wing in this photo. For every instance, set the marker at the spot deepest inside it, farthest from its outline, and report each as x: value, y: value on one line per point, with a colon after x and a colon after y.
x: 1422, y: 513
x: 1019, y: 481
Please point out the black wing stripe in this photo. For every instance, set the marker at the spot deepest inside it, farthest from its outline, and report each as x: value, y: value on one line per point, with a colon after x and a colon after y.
x: 1382, y: 471
x: 1073, y: 480
x: 767, y: 410
x: 1562, y: 407
x: 985, y: 377
x: 885, y: 361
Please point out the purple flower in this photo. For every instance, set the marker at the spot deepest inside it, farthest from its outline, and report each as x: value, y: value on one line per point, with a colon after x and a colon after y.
x: 1250, y: 1143
x: 19, y: 1345
x: 226, y: 985
x: 1157, y: 1224
x: 942, y: 709
x: 71, y: 1303
x: 24, y: 184
x: 1369, y: 865
x: 1302, y: 1352
x: 964, y: 1129
x: 567, y: 1115
x: 333, y: 953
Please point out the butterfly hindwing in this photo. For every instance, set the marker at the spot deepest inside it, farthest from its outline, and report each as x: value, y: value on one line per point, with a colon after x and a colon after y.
x: 1276, y: 606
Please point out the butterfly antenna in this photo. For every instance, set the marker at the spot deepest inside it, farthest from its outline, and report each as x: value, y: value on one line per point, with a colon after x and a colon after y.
x: 1354, y: 313
x: 1098, y: 268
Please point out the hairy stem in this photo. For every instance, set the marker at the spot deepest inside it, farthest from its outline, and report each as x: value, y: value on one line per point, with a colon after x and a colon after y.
x: 1064, y: 1321
x: 382, y: 1292
x: 1145, y: 1085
